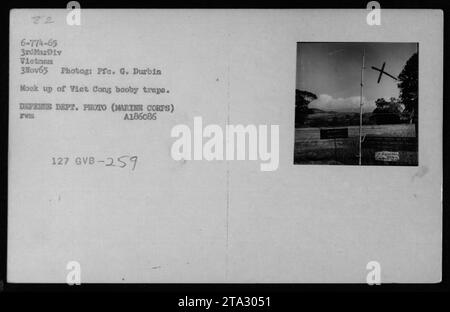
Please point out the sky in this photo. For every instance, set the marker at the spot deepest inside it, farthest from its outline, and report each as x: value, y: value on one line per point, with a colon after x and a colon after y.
x: 332, y: 71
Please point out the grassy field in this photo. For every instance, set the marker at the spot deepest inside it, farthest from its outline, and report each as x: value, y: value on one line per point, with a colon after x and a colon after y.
x: 310, y: 149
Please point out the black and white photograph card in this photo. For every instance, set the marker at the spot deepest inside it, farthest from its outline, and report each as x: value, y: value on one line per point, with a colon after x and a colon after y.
x: 262, y: 146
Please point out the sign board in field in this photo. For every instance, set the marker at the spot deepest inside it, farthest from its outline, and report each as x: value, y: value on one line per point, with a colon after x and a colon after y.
x: 387, y: 156
x: 334, y: 133
x: 390, y: 150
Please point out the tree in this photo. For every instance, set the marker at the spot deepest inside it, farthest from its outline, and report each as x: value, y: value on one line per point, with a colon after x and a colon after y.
x: 302, y: 100
x: 408, y: 86
x: 387, y: 112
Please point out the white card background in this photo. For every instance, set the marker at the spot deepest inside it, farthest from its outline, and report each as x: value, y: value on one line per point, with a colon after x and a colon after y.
x: 200, y: 221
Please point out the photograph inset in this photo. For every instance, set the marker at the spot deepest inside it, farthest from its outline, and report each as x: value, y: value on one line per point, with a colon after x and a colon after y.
x: 356, y: 104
